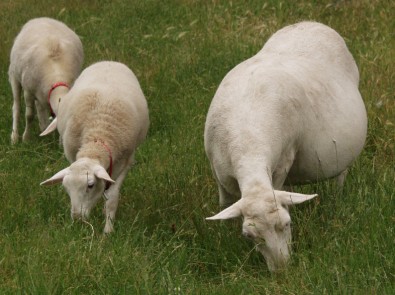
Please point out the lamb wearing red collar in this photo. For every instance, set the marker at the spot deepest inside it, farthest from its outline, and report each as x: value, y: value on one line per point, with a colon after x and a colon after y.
x: 290, y: 114
x: 102, y: 121
x: 45, y: 60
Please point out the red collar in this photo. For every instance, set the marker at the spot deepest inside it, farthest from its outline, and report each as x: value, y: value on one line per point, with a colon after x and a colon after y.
x: 108, y: 184
x: 50, y: 91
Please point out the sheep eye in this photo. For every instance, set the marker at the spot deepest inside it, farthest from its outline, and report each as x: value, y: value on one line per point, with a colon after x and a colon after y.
x: 90, y: 185
x: 281, y: 227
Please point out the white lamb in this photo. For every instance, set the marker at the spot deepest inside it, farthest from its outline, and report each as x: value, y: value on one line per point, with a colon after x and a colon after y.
x: 45, y: 60
x: 291, y: 114
x: 102, y: 120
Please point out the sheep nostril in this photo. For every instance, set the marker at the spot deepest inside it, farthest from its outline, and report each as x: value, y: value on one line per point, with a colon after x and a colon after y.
x: 247, y: 235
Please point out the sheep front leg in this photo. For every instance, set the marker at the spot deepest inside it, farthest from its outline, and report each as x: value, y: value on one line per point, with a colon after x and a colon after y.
x: 341, y: 178
x: 111, y: 206
x: 112, y: 198
x: 225, y: 199
x: 16, y: 93
x: 29, y: 102
x: 42, y: 114
x: 283, y: 167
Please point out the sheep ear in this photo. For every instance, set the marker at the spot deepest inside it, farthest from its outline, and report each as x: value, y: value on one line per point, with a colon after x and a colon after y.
x: 57, y: 178
x: 101, y: 173
x: 288, y: 198
x: 51, y: 127
x: 230, y: 212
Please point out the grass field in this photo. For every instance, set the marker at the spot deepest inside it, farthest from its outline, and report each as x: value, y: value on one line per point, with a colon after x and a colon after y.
x: 344, y: 241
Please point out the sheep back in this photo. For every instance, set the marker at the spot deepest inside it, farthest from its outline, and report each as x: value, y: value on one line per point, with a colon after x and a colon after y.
x: 106, y: 102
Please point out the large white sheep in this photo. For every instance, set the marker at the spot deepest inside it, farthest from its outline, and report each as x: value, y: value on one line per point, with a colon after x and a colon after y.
x: 45, y: 60
x: 291, y: 114
x: 102, y: 120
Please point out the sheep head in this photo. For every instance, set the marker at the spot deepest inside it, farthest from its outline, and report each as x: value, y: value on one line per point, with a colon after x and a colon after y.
x: 84, y: 181
x: 267, y: 222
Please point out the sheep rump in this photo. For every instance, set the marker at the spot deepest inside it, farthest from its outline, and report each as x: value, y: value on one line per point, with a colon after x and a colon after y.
x: 45, y: 52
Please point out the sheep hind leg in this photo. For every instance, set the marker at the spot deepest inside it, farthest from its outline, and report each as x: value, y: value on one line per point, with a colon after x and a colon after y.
x: 29, y: 102
x: 112, y: 198
x: 16, y: 108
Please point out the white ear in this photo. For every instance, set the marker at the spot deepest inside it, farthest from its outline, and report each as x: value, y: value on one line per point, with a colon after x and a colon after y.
x: 51, y: 127
x: 101, y: 173
x: 57, y: 178
x: 288, y: 198
x: 230, y: 212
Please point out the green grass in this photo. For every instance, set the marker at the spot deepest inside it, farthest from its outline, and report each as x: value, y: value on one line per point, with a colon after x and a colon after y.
x: 180, y: 50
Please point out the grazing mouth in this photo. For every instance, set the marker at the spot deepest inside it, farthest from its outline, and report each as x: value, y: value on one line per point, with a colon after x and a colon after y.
x: 275, y: 264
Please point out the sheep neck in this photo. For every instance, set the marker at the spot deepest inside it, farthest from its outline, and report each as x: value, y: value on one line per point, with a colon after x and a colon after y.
x: 53, y: 87
x: 99, y: 141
